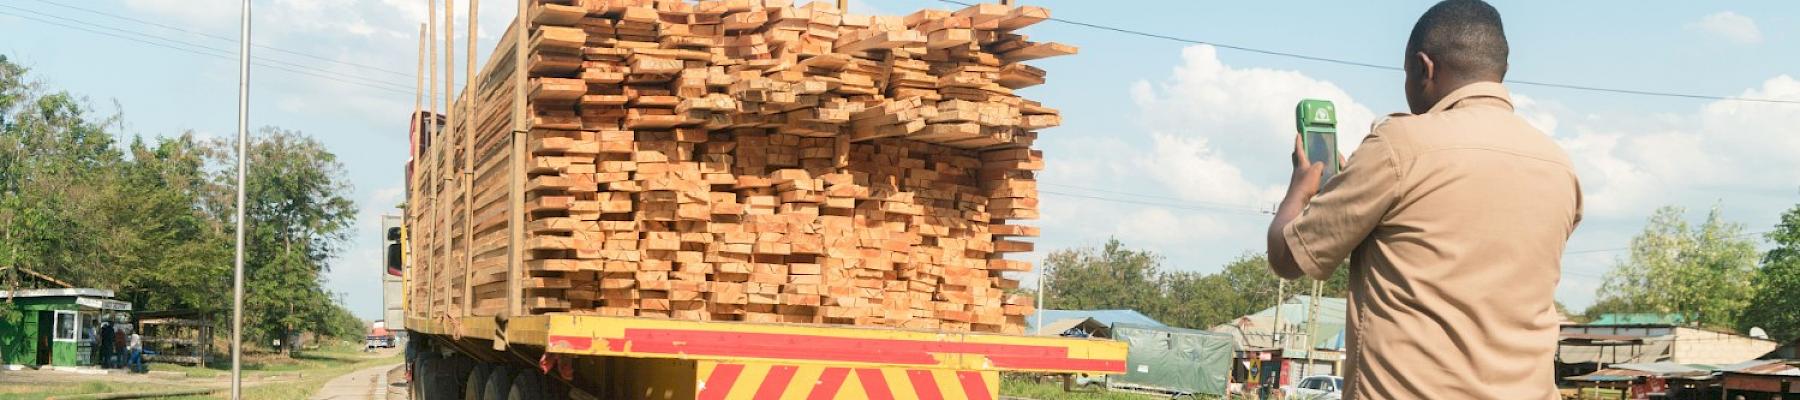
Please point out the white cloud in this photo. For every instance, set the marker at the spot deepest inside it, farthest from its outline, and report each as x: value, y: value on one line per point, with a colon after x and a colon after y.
x: 1215, y: 135
x: 1161, y: 227
x: 1212, y: 144
x: 1730, y: 26
x: 1723, y: 148
x: 1212, y: 124
x: 1734, y: 154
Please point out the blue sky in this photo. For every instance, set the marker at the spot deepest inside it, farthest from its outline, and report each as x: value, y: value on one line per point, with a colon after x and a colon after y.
x: 1200, y: 133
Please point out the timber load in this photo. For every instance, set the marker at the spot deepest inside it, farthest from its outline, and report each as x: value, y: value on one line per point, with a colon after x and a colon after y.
x: 739, y: 160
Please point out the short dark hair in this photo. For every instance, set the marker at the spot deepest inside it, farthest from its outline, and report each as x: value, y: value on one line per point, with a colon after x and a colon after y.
x: 1463, y: 37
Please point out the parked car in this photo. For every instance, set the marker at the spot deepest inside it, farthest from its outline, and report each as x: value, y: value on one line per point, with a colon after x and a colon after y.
x: 1318, y: 387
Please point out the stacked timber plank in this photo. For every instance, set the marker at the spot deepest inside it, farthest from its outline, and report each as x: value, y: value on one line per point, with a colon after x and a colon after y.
x: 749, y: 161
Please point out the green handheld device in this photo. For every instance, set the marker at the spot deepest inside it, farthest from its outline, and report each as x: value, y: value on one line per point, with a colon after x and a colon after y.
x: 1317, y: 123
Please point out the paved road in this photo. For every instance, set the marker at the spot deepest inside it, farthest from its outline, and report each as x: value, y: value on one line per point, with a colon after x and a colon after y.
x: 367, y: 384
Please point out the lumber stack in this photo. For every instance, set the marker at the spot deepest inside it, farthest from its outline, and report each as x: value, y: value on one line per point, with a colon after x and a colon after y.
x: 751, y: 161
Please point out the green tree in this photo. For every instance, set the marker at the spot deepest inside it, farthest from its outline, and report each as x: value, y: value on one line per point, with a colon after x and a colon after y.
x: 298, y: 221
x: 150, y: 219
x: 1702, y: 273
x: 1113, y: 276
x: 1198, y: 301
x: 1110, y: 277
x: 1778, y: 283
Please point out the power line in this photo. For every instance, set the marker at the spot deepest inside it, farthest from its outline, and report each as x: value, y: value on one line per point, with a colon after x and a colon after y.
x: 1151, y: 196
x: 1613, y: 249
x: 205, y: 51
x: 1156, y: 204
x: 227, y: 39
x: 1393, y: 68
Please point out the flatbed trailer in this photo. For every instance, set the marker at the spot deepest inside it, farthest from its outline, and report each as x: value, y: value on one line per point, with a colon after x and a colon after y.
x: 587, y: 356
x: 472, y: 335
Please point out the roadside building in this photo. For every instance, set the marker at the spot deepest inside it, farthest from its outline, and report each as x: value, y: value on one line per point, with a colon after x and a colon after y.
x: 1587, y: 348
x: 1085, y: 323
x: 1641, y: 381
x: 1766, y: 379
x: 1270, y: 347
x: 54, y: 327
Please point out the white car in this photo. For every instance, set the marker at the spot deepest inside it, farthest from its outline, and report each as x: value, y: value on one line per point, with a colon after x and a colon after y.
x: 1319, y: 387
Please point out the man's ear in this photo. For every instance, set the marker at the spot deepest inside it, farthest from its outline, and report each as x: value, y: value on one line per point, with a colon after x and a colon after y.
x: 1426, y: 67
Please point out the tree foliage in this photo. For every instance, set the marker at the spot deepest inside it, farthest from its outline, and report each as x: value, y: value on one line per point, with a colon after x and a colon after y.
x: 152, y: 219
x: 1113, y: 276
x: 1700, y: 272
x: 1776, y: 306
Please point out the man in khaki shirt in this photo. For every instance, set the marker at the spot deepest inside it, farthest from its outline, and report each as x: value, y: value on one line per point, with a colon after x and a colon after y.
x: 1453, y: 220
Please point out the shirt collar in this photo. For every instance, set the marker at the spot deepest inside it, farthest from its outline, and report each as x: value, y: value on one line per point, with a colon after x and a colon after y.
x: 1471, y: 91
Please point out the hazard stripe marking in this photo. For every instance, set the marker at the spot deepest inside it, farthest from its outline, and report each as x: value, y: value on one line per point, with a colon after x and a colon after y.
x: 874, y: 384
x: 829, y: 382
x: 718, y: 384
x: 973, y: 385
x: 828, y: 348
x: 924, y: 384
x: 775, y: 383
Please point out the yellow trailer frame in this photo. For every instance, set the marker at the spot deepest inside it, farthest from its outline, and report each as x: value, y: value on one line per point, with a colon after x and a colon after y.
x: 634, y: 357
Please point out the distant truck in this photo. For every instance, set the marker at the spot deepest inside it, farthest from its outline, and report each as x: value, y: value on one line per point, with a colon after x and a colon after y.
x: 393, y: 286
x: 379, y: 337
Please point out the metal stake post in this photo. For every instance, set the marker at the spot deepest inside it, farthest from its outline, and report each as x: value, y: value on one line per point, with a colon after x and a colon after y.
x: 243, y: 154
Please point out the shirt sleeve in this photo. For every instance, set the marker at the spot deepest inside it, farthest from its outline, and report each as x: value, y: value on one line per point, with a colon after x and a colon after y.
x: 1352, y: 204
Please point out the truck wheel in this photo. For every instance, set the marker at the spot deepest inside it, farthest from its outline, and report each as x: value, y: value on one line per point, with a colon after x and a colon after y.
x: 451, y: 373
x: 528, y: 386
x: 421, y: 378
x: 499, y: 381
x: 474, y: 387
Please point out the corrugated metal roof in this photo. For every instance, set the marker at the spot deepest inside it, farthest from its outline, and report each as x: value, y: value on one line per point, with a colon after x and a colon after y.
x: 70, y: 292
x: 1638, y: 319
x: 1664, y: 369
x: 1781, y: 368
x: 1332, y: 310
x: 1108, y: 317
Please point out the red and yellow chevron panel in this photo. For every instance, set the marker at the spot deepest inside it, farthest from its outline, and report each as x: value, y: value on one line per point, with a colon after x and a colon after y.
x: 836, y: 346
x: 759, y: 381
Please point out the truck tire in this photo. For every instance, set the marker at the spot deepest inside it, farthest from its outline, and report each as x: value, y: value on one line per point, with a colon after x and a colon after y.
x: 499, y: 381
x: 531, y: 385
x: 421, y: 378
x: 476, y: 385
x: 528, y: 385
x: 443, y: 376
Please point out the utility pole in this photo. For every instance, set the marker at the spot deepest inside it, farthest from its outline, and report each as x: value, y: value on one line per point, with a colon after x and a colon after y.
x: 243, y: 154
x: 1312, y: 326
x: 1042, y: 273
x: 1280, y: 290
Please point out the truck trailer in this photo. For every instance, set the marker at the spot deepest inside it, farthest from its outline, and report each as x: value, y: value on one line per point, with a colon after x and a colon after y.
x: 736, y: 199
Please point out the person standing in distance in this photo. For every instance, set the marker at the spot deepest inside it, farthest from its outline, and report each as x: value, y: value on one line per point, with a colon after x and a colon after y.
x: 1453, y: 218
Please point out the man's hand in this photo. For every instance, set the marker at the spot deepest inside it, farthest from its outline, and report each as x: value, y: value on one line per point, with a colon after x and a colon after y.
x: 1304, y: 183
x: 1302, y: 186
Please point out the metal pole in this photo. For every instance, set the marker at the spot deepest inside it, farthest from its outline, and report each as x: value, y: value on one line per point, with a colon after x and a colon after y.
x: 1312, y: 326
x: 1280, y: 289
x: 243, y: 155
x: 1040, y: 299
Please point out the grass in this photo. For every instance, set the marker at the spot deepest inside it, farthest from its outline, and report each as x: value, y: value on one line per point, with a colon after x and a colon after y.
x: 41, y: 390
x: 1053, y: 390
x: 266, y: 376
x: 313, y: 368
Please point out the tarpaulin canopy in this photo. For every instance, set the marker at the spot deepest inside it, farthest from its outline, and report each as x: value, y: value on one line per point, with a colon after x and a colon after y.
x: 1175, y: 359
